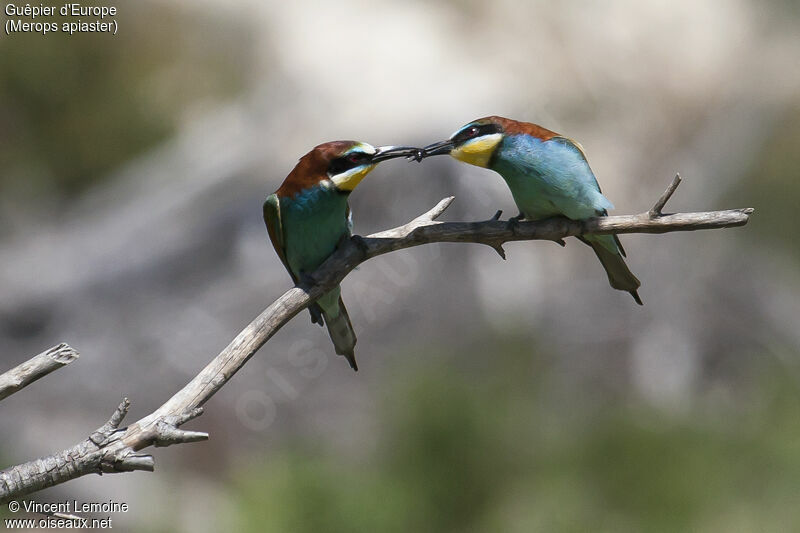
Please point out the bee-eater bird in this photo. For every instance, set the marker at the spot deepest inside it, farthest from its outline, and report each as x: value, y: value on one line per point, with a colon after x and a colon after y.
x: 308, y: 216
x: 548, y: 176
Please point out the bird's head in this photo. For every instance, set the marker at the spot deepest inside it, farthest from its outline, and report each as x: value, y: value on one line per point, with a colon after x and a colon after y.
x: 342, y: 163
x: 474, y: 143
x: 477, y: 142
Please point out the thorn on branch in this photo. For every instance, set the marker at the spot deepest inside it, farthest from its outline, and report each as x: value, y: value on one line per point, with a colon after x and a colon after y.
x: 101, y: 436
x: 497, y: 215
x: 166, y: 431
x: 167, y: 435
x: 497, y: 247
x: 119, y: 414
x: 655, y: 211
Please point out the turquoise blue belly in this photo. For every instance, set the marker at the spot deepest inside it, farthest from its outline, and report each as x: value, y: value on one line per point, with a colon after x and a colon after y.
x: 549, y: 178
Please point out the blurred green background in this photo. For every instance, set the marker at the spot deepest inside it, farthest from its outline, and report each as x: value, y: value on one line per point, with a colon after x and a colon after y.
x: 516, y: 396
x: 488, y: 450
x: 76, y: 107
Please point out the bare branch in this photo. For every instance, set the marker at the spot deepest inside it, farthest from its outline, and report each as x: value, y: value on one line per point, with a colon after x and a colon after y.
x: 117, y: 451
x: 34, y: 368
x: 93, y: 455
x: 167, y: 432
x: 103, y: 433
x: 437, y: 210
x: 655, y: 211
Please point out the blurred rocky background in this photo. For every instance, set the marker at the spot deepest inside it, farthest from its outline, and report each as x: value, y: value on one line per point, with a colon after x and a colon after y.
x: 523, y: 395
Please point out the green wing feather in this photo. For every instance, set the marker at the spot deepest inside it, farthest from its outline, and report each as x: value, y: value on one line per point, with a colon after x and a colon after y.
x: 566, y: 141
x: 272, y: 218
x: 575, y: 144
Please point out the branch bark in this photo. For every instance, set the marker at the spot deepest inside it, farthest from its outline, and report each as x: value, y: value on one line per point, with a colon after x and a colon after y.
x: 34, y: 368
x: 114, y: 450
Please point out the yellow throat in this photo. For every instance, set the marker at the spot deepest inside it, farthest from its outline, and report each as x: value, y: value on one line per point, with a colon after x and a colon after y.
x: 477, y: 151
x: 347, y: 181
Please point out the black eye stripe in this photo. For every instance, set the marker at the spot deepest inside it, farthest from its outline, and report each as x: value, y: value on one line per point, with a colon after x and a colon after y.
x: 475, y: 130
x: 347, y: 162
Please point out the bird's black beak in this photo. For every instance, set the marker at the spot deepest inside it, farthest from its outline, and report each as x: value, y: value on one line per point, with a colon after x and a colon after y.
x: 390, y: 152
x: 442, y: 147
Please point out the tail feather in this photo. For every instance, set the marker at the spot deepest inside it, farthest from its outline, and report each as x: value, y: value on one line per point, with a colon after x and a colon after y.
x: 341, y: 331
x: 619, y: 245
x: 619, y: 275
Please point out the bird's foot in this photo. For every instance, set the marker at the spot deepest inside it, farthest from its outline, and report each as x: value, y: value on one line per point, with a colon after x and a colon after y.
x: 314, y: 309
x: 513, y: 223
x: 360, y: 243
x: 316, y: 314
x: 307, y: 279
x: 560, y: 242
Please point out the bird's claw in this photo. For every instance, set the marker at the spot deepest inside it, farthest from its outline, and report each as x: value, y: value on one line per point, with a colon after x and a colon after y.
x: 307, y: 279
x: 360, y: 243
x: 497, y: 215
x: 513, y: 223
x: 316, y: 314
x: 314, y: 309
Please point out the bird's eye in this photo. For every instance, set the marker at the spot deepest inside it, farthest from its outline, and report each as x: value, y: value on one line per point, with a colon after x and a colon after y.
x: 467, y: 134
x: 355, y: 158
